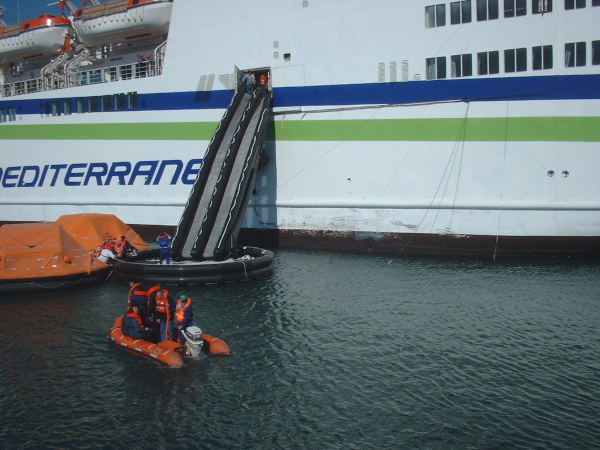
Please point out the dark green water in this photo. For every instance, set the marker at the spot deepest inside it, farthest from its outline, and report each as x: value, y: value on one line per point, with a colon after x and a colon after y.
x: 334, y: 351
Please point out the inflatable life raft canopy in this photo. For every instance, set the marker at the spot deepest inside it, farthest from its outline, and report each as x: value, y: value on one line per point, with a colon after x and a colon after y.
x: 42, y: 250
x: 91, y: 229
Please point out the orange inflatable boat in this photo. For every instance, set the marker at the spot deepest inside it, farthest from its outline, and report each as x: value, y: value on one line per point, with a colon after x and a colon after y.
x: 167, y: 353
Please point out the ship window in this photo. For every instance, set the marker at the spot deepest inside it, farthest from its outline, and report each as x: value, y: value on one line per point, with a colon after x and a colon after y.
x: 436, y: 68
x: 106, y: 102
x: 460, y: 12
x: 67, y: 107
x: 575, y: 54
x: 541, y: 6
x: 12, y: 114
x: 595, y: 2
x: 595, y: 53
x: 56, y: 108
x: 514, y: 8
x: 488, y: 63
x: 26, y: 26
x: 132, y: 100
x: 119, y: 102
x: 435, y: 16
x: 574, y: 4
x: 515, y: 60
x: 542, y: 57
x: 93, y: 104
x: 462, y: 65
x: 487, y: 10
x: 2, y: 115
x: 81, y: 103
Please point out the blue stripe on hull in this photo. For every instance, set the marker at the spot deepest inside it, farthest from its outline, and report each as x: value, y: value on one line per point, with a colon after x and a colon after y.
x: 573, y: 87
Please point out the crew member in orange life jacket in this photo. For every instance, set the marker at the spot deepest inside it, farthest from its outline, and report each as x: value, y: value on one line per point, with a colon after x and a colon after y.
x: 135, y: 325
x: 139, y: 298
x: 163, y: 307
x: 127, y: 247
x: 165, y: 252
x: 184, y: 316
x: 262, y: 82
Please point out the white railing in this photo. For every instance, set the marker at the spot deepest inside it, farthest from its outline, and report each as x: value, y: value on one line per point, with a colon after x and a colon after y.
x: 81, y: 77
x: 22, y: 87
x: 142, y: 69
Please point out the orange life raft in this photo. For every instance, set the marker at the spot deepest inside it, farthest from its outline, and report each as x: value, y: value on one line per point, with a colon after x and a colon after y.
x: 167, y: 353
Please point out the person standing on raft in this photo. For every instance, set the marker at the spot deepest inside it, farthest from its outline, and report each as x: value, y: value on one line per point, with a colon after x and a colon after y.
x: 184, y: 316
x: 164, y: 241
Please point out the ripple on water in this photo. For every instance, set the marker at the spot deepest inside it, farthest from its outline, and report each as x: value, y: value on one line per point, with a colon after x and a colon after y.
x: 332, y: 351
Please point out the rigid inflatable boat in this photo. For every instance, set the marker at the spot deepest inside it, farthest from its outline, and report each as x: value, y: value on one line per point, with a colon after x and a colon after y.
x: 250, y: 263
x: 168, y: 353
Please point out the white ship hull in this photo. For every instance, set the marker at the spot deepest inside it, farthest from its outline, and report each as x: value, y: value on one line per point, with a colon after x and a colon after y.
x: 358, y: 158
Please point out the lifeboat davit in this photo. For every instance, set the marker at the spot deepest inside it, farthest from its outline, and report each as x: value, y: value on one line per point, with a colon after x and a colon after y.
x: 41, y: 37
x: 121, y: 21
x: 168, y: 353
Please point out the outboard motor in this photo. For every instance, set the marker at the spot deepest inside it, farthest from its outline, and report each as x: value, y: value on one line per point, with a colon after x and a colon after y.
x: 194, y: 341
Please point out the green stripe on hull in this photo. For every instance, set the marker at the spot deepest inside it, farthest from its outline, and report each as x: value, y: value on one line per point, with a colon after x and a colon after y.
x: 551, y: 129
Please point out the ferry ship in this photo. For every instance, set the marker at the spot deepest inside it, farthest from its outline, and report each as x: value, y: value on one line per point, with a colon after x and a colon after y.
x: 458, y: 127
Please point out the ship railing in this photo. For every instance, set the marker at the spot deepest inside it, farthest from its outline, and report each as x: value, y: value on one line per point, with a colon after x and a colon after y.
x: 141, y: 69
x: 22, y: 87
x: 67, y: 77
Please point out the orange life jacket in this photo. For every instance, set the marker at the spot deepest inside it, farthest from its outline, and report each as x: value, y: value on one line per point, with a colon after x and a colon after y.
x: 136, y: 317
x: 162, y: 305
x: 262, y: 80
x: 130, y: 291
x: 181, y: 309
x: 136, y: 291
x: 151, y: 291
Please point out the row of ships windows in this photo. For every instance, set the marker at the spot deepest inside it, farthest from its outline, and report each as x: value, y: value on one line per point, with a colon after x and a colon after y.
x: 515, y: 60
x: 116, y: 102
x: 460, y: 11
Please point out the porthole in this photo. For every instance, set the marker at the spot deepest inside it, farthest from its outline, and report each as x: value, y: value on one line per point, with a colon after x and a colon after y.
x: 551, y: 173
x: 565, y: 173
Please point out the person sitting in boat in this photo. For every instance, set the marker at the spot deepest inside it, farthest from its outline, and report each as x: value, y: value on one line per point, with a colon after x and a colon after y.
x: 119, y: 250
x: 126, y: 245
x: 112, y: 243
x: 138, y: 297
x: 106, y: 253
x: 165, y: 252
x: 135, y: 326
x: 184, y: 316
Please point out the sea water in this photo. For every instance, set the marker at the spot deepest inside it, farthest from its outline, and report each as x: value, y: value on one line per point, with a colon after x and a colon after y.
x: 334, y: 351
